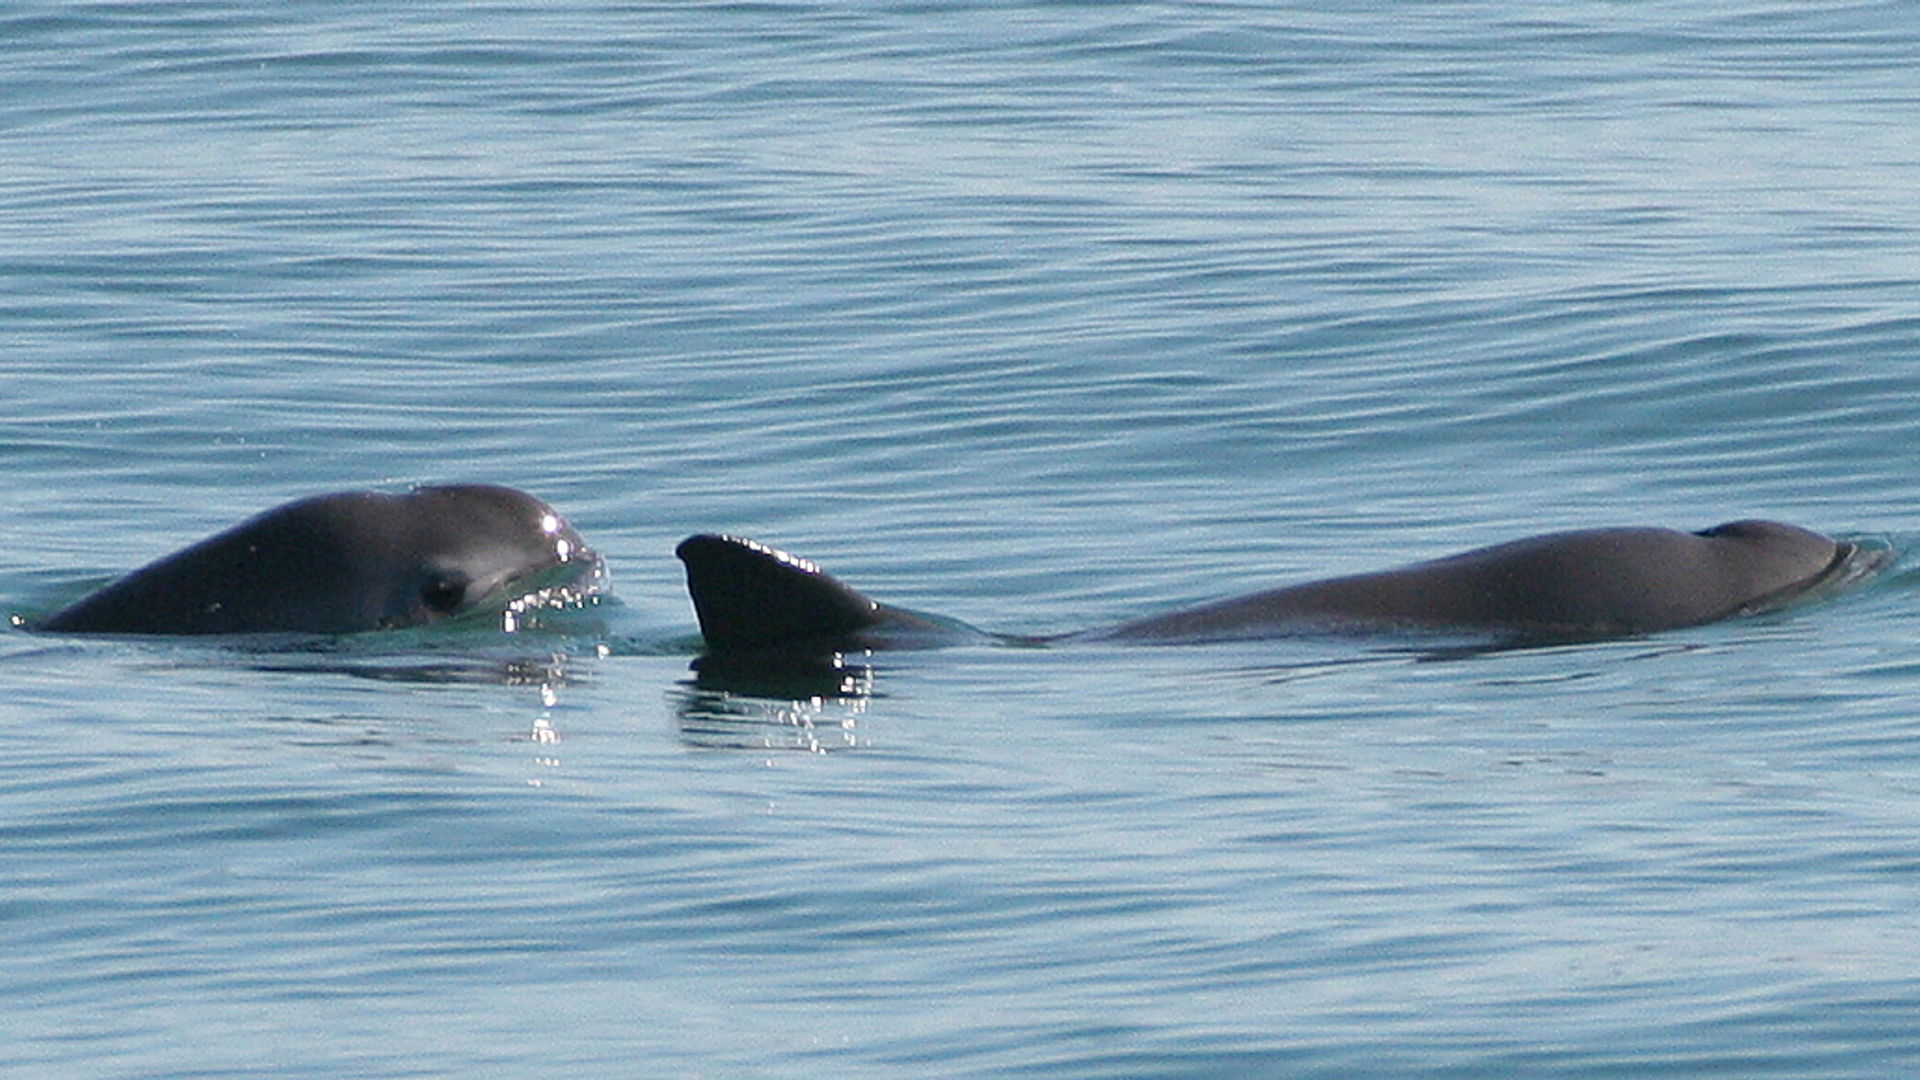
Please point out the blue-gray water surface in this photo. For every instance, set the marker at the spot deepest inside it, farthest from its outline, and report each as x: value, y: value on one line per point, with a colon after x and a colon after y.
x: 1042, y: 315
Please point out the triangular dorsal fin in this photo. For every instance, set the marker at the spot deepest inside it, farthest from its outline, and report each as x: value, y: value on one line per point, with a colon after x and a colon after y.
x: 749, y: 596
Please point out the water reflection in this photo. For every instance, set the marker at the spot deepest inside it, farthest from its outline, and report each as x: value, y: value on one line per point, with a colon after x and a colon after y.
x: 547, y: 672
x: 774, y: 702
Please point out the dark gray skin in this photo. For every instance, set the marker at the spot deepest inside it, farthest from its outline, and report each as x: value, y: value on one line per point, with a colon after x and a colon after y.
x: 347, y: 562
x: 753, y: 598
x: 1588, y: 585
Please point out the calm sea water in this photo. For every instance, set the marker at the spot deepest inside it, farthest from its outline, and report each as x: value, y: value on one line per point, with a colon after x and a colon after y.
x: 1043, y: 315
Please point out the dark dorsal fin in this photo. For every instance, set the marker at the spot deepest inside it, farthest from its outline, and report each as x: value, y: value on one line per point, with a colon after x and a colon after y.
x: 752, y: 597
